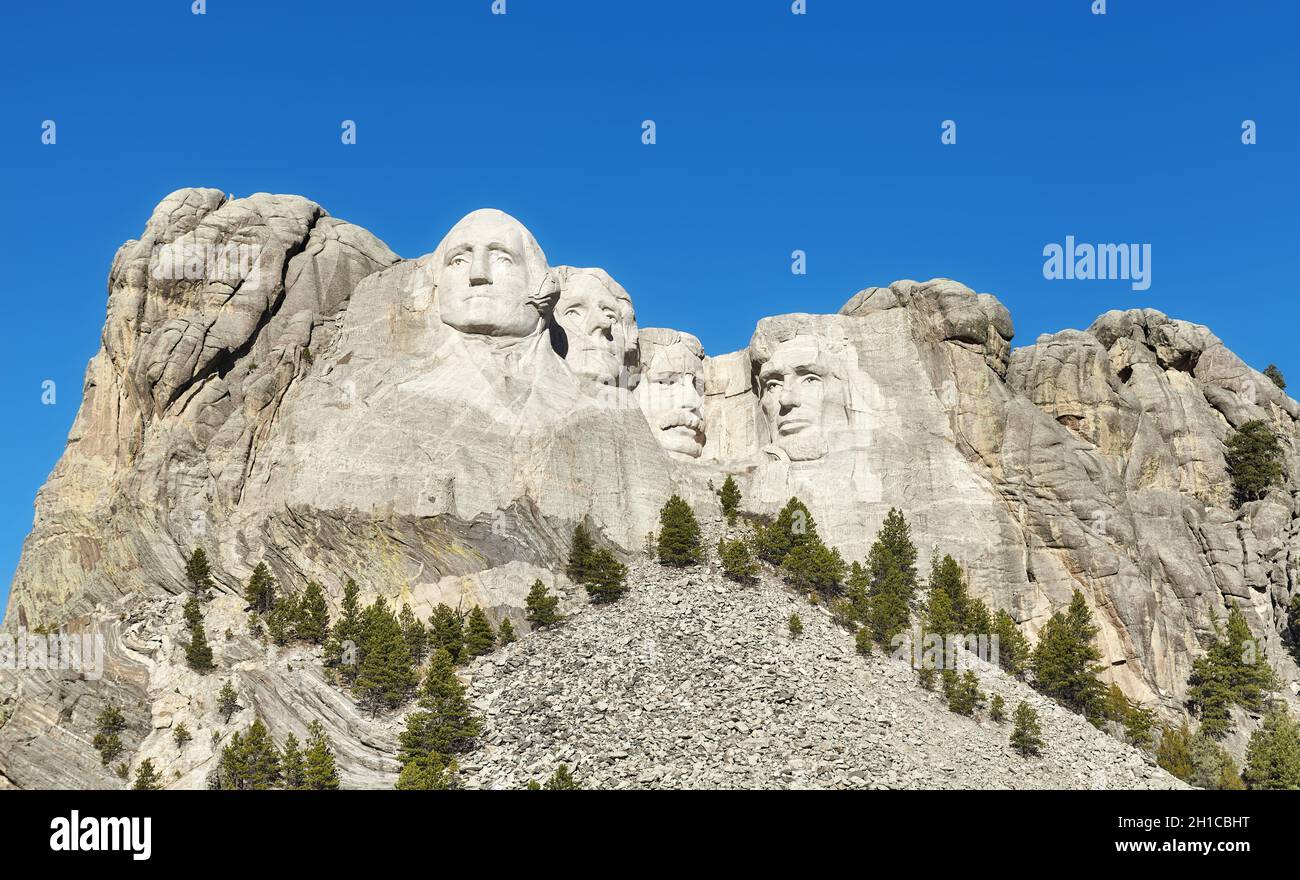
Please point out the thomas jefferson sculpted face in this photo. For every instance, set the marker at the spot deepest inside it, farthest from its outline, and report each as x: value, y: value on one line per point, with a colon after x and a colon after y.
x: 492, y: 278
x: 792, y: 385
x: 595, y: 314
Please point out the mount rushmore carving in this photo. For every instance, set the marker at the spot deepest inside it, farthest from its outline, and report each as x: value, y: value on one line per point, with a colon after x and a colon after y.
x: 435, y: 428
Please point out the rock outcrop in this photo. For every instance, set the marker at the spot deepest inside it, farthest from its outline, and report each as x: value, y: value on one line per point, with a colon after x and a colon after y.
x: 276, y: 385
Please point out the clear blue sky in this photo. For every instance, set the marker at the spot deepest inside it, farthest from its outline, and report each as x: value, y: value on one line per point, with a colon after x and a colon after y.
x: 775, y: 132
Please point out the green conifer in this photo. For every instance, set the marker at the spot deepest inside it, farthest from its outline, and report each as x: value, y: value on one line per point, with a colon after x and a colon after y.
x: 428, y: 773
x: 293, y: 771
x: 447, y: 632
x: 506, y: 632
x: 796, y: 626
x: 679, y: 534
x: 181, y: 735
x: 1174, y: 752
x: 198, y: 653
x: 417, y: 637
x: 386, y: 675
x: 729, y: 495
x: 1064, y: 661
x: 146, y: 777
x: 581, y: 549
x: 109, y: 725
x: 1254, y: 461
x: 198, y: 572
x: 479, y: 636
x: 444, y: 723
x: 540, y: 606
x: 313, y: 615
x: 1273, y: 754
x: 319, y: 773
x: 1013, y: 647
x: 260, y: 592
x: 997, y: 709
x: 737, y: 562
x: 607, y: 579
x: 1026, y: 733
x: 562, y: 779
x: 228, y: 701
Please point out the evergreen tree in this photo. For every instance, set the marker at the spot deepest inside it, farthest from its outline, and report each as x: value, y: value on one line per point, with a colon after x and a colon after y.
x: 811, y: 566
x: 428, y: 773
x: 313, y: 615
x: 737, y: 562
x: 417, y: 637
x: 1212, y: 766
x: 291, y: 764
x: 793, y: 525
x: 998, y: 709
x: 796, y: 626
x: 858, y: 593
x: 1013, y: 647
x: 447, y: 632
x: 962, y: 691
x: 250, y: 762
x: 891, y: 572
x: 1174, y: 752
x: 260, y: 592
x: 505, y: 632
x: 607, y: 580
x: 540, y: 606
x: 198, y: 572
x: 1026, y: 733
x: 679, y: 534
x: 562, y: 779
x: 146, y: 777
x: 228, y: 701
x: 479, y: 637
x: 1275, y: 375
x: 862, y: 641
x: 444, y: 723
x: 1232, y: 672
x: 386, y: 675
x: 729, y: 495
x: 580, y: 553
x: 1254, y: 460
x: 341, y: 648
x: 181, y: 734
x: 192, y: 612
x: 1273, y: 754
x: 282, y: 622
x: 1064, y: 661
x: 198, y: 653
x: 109, y: 725
x: 319, y: 772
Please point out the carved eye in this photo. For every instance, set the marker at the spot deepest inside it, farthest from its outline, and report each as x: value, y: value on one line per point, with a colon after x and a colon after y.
x: 771, y: 384
x: 811, y: 379
x: 502, y: 257
x: 459, y: 260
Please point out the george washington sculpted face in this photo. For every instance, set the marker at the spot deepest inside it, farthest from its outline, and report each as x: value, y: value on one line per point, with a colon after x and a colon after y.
x: 492, y: 278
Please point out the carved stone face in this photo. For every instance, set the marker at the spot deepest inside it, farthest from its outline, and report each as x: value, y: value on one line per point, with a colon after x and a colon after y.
x: 671, y: 395
x: 597, y: 324
x: 485, y: 281
x: 792, y: 385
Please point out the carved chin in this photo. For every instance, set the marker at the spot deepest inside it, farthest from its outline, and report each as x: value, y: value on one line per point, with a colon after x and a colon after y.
x: 682, y: 440
x: 807, y: 445
x: 595, y: 364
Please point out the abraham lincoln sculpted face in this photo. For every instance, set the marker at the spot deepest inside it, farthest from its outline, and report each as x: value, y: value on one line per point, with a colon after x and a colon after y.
x: 792, y: 387
x: 492, y: 278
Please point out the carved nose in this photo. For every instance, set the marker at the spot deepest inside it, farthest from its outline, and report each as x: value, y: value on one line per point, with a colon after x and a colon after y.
x: 479, y: 270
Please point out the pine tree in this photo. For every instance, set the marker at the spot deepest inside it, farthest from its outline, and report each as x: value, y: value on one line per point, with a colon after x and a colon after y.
x: 607, y: 579
x: 540, y: 606
x: 1275, y: 375
x: 181, y: 734
x: 962, y: 691
x: 1273, y: 754
x: 228, y: 701
x: 580, y: 553
x: 998, y: 709
x: 428, y: 773
x: 282, y: 622
x: 737, y: 562
x: 479, y: 637
x: 1232, y: 672
x: 862, y: 641
x: 443, y: 724
x: 313, y: 615
x: 796, y: 626
x: 858, y: 593
x: 198, y: 653
x: 386, y: 675
x: 250, y: 762
x: 198, y: 572
x: 260, y: 592
x: 506, y: 632
x: 1174, y: 752
x: 447, y: 632
x: 291, y: 763
x: 109, y: 725
x: 1013, y: 647
x: 562, y: 779
x: 1026, y: 734
x: 192, y: 612
x: 891, y: 572
x: 1212, y: 766
x: 319, y: 773
x: 417, y: 637
x: 1254, y: 461
x: 146, y: 777
x: 341, y: 648
x: 729, y: 495
x: 793, y: 525
x: 1064, y: 661
x: 811, y: 566
x: 679, y: 534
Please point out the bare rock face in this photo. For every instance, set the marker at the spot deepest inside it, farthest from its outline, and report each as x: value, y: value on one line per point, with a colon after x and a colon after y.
x: 275, y: 385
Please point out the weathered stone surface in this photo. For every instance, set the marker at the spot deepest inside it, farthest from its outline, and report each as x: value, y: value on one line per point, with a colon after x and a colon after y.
x: 434, y: 428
